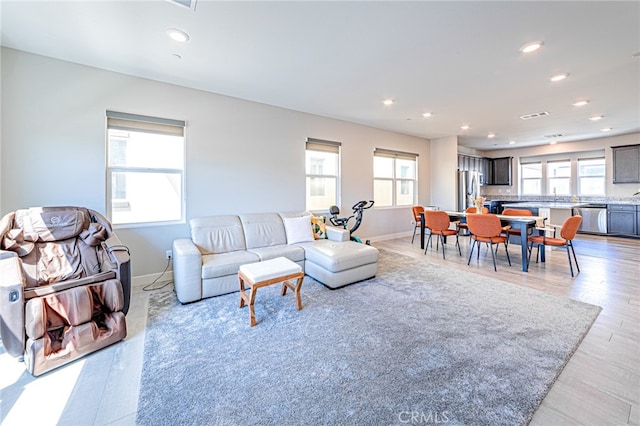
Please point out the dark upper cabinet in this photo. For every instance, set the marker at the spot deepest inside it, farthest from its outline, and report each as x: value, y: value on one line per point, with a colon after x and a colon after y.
x: 626, y: 164
x: 500, y: 171
x: 494, y: 171
x: 484, y: 169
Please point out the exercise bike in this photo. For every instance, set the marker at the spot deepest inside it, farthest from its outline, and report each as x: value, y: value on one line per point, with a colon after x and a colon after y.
x: 358, y: 209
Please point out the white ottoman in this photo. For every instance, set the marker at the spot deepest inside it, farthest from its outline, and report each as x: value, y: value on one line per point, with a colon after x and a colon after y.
x: 261, y: 274
x: 336, y: 264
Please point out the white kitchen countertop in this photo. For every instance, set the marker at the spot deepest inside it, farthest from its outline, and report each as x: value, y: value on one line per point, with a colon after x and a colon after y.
x: 545, y: 205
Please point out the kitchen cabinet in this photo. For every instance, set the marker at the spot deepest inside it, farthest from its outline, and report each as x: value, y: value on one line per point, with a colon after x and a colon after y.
x: 484, y: 171
x: 622, y: 219
x: 493, y: 171
x: 500, y: 171
x: 626, y: 164
x: 470, y: 163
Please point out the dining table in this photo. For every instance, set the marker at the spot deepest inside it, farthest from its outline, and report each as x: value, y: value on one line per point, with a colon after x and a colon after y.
x: 523, y: 223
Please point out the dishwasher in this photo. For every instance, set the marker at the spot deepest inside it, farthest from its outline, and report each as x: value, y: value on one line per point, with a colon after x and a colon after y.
x: 594, y: 218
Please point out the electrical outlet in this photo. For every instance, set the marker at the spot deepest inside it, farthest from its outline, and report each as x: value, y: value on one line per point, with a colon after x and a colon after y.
x: 168, y: 254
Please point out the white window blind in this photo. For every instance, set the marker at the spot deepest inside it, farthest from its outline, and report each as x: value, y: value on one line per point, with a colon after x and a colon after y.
x: 145, y: 169
x: 395, y: 177
x: 322, y: 163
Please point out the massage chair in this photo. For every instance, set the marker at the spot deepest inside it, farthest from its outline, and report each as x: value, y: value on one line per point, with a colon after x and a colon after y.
x: 65, y: 285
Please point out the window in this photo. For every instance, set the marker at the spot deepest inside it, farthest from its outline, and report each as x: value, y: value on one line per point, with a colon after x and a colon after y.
x: 591, y: 180
x: 323, y: 177
x: 559, y: 177
x: 145, y: 169
x: 394, y: 178
x: 531, y: 178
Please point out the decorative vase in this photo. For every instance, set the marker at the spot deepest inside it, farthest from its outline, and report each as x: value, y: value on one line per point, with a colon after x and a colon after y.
x: 479, y: 207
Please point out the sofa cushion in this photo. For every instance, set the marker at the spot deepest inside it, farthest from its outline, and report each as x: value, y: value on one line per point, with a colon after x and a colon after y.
x: 263, y: 230
x: 219, y: 265
x: 339, y: 256
x: 298, y: 229
x: 217, y: 234
x: 291, y: 252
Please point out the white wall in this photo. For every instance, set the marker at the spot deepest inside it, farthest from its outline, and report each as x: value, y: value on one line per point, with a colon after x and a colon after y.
x: 444, y: 167
x: 241, y: 157
x: 572, y: 149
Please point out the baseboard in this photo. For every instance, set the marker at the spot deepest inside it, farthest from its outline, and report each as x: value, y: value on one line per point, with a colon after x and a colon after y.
x: 393, y: 236
x: 143, y: 280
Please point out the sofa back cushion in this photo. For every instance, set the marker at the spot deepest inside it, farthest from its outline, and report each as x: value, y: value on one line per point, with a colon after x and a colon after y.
x: 263, y: 230
x: 218, y: 234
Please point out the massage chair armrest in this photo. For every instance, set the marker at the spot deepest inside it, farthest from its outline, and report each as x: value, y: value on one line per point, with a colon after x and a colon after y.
x: 337, y: 234
x: 12, y: 303
x: 187, y: 270
x: 119, y: 256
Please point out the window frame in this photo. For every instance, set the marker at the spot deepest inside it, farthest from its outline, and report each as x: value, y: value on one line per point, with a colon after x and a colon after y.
x: 572, y: 158
x: 396, y: 181
x: 549, y: 187
x: 148, y: 125
x: 326, y: 146
x: 602, y: 176
x: 539, y: 179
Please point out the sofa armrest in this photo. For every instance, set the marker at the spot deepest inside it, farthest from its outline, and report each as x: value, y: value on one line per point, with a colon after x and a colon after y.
x: 11, y: 303
x: 187, y: 270
x: 337, y: 234
x: 119, y: 255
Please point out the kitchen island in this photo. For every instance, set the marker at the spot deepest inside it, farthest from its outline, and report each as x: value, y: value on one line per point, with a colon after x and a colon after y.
x: 555, y: 212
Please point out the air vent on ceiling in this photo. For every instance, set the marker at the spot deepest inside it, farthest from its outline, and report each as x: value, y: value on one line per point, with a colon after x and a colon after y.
x: 189, y: 4
x: 557, y: 135
x: 534, y: 115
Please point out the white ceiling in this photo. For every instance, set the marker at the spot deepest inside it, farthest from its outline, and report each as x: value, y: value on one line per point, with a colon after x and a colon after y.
x: 459, y: 60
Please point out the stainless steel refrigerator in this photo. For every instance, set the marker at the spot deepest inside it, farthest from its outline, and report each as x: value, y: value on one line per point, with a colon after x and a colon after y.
x: 468, y: 186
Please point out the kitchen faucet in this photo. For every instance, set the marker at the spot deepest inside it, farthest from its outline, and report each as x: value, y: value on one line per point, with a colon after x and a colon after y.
x: 555, y: 197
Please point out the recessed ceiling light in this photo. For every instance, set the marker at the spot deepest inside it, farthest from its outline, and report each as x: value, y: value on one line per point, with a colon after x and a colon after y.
x: 427, y: 114
x: 512, y: 142
x: 606, y: 129
x: 596, y: 117
x: 581, y: 103
x: 531, y: 47
x: 559, y: 77
x: 465, y: 127
x: 178, y: 35
x: 553, y: 142
x: 388, y: 102
x: 491, y: 135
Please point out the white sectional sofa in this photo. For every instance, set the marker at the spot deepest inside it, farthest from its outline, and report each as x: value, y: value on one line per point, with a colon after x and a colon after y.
x: 207, y: 264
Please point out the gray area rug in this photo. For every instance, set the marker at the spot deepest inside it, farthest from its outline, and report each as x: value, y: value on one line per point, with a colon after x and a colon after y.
x: 419, y: 343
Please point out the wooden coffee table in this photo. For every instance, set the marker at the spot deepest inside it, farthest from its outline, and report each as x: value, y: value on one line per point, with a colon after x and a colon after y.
x: 262, y: 274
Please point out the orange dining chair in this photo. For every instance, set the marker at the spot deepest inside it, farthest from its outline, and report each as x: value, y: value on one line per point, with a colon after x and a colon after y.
x: 567, y: 234
x: 438, y: 223
x: 463, y: 225
x: 515, y: 212
x: 416, y: 218
x: 486, y: 228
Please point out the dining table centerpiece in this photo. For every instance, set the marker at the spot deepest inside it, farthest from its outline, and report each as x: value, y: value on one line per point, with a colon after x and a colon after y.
x: 479, y: 203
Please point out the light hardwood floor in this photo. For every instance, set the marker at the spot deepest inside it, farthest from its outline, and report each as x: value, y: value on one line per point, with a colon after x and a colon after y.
x: 599, y: 386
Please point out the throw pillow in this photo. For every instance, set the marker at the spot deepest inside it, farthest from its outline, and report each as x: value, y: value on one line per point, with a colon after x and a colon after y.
x: 298, y: 229
x: 318, y: 227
